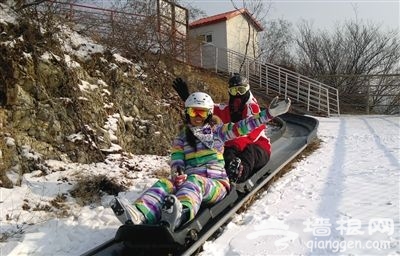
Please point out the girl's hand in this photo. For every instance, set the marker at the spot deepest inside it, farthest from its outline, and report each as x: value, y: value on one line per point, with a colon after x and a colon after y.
x: 277, y: 107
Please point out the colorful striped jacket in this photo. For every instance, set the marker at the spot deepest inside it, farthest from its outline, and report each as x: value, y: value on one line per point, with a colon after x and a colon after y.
x: 207, y: 160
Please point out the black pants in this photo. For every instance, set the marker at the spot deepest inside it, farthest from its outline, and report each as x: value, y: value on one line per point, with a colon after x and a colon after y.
x: 253, y: 159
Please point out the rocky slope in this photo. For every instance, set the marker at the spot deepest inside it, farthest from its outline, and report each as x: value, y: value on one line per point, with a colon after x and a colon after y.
x: 64, y: 97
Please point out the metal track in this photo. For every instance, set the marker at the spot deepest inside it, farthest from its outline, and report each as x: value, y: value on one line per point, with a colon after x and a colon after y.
x: 298, y: 133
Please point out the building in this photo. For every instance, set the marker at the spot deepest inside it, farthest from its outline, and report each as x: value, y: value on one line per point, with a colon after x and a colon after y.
x: 235, y: 31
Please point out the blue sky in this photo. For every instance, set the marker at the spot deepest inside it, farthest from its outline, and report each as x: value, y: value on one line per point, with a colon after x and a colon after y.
x: 323, y: 13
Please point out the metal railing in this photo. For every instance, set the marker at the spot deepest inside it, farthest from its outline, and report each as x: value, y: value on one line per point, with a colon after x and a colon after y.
x: 271, y: 79
x: 268, y: 78
x: 368, y: 93
x: 119, y: 29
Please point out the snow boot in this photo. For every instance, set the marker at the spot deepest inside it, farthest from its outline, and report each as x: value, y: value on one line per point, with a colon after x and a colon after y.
x: 126, y: 212
x: 235, y: 169
x: 171, y: 212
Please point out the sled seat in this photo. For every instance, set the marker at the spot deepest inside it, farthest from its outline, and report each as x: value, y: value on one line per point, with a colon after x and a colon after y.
x: 160, y: 237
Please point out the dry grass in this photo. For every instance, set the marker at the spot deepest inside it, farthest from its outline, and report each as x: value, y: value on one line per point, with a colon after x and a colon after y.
x: 204, y: 80
x: 89, y: 190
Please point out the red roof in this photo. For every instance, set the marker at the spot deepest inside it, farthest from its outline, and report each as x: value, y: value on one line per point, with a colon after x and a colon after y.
x: 226, y: 16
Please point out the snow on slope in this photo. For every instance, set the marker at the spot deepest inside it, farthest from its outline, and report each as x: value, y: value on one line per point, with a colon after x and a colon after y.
x: 344, y: 198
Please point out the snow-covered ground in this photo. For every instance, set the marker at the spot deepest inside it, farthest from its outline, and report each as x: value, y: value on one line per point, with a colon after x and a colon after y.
x: 342, y: 199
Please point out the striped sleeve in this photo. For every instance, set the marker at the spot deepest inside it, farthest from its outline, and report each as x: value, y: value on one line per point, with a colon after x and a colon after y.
x: 177, y: 152
x: 231, y: 131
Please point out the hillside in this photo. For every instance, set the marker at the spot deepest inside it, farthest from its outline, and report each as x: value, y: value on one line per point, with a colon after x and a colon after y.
x: 65, y: 97
x: 80, y: 123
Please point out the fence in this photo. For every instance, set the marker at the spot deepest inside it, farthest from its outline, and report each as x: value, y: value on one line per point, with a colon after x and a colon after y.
x: 369, y: 94
x: 270, y: 79
x: 164, y: 31
x: 159, y: 30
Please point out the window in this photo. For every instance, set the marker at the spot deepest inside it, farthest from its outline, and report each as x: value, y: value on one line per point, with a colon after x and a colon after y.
x: 207, y: 38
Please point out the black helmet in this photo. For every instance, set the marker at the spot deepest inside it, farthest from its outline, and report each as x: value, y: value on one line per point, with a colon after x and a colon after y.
x: 237, y: 80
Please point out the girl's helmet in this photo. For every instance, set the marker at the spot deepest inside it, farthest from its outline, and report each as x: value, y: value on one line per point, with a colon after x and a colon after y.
x: 199, y: 100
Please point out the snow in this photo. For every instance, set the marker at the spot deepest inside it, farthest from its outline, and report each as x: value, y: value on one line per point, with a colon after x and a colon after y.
x: 6, y: 14
x: 343, y: 198
x: 78, y: 45
x: 345, y: 188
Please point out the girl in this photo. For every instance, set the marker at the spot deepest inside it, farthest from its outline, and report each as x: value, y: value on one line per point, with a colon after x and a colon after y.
x: 198, y: 175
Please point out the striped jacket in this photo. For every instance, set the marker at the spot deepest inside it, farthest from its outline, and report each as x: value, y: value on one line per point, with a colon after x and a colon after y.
x: 207, y: 160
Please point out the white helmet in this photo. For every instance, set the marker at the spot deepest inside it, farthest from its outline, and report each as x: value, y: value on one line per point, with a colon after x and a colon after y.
x: 199, y: 100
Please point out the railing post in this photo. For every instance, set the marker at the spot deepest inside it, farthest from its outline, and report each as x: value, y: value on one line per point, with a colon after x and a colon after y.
x: 71, y: 12
x: 286, y: 84
x: 327, y: 101
x: 229, y: 62
x: 319, y: 97
x: 298, y: 87
x: 279, y: 80
x: 368, y: 92
x: 201, y: 56
x: 337, y: 101
x: 266, y: 79
x: 260, y: 75
x: 216, y: 60
x: 112, y: 26
x: 308, y: 96
x: 247, y: 69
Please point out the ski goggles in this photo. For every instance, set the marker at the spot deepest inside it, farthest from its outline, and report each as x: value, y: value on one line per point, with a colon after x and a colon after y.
x: 238, y: 90
x: 202, y: 112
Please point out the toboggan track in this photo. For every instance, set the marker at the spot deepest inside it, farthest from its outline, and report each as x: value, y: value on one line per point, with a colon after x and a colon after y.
x: 295, y: 134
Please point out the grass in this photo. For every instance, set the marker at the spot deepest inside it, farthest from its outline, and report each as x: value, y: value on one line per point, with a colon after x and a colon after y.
x: 90, y: 190
x: 207, y: 81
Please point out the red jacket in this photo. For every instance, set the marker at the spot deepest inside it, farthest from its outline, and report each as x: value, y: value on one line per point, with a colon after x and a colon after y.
x: 257, y: 136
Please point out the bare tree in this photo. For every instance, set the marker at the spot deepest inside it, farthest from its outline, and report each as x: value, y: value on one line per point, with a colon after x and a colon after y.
x: 258, y: 9
x: 352, y: 49
x: 195, y: 13
x: 343, y: 58
x: 277, y: 42
x: 19, y: 5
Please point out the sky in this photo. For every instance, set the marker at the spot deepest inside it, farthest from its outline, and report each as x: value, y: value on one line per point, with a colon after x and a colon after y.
x: 324, y: 14
x: 343, y: 197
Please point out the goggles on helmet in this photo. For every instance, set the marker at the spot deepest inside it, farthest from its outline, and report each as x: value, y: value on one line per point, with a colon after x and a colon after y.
x: 202, y: 112
x: 238, y: 90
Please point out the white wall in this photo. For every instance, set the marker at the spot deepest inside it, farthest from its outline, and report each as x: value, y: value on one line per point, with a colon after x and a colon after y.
x: 231, y: 34
x: 218, y: 32
x: 238, y: 32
